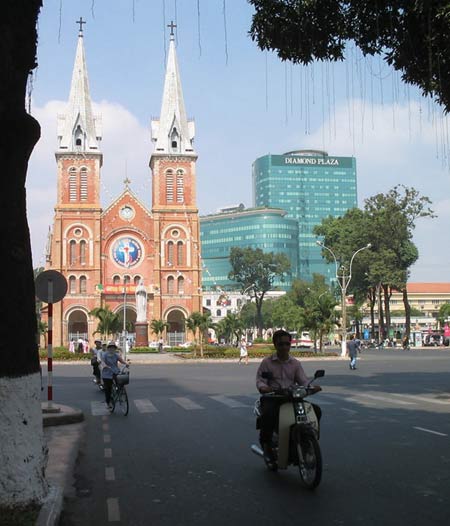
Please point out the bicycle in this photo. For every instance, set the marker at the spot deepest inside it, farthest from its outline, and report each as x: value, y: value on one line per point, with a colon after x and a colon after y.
x: 119, y: 393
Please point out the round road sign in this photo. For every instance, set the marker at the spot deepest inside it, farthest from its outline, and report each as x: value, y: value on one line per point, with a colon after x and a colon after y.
x: 51, y: 286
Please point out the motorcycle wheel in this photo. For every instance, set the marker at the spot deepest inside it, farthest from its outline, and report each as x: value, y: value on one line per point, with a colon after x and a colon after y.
x: 311, y: 468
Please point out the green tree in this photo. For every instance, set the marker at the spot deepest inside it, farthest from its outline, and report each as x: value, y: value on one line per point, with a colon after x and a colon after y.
x: 287, y: 314
x: 256, y: 272
x: 443, y: 314
x: 231, y: 327
x: 158, y: 327
x: 412, y: 37
x: 199, y: 323
x: 108, y: 322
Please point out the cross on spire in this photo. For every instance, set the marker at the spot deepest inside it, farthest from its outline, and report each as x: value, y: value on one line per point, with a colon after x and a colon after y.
x: 126, y: 182
x: 81, y: 22
x: 172, y: 26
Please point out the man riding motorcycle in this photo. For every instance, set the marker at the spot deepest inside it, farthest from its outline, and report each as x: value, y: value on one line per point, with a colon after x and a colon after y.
x: 278, y: 372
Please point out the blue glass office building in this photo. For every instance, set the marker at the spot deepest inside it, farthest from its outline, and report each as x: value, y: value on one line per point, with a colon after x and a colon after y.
x: 265, y: 228
x: 309, y: 185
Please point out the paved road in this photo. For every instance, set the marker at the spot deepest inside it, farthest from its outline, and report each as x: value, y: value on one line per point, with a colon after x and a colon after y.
x: 182, y: 455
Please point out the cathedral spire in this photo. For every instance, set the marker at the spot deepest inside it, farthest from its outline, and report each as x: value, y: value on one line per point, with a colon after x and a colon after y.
x: 78, y: 129
x: 172, y: 132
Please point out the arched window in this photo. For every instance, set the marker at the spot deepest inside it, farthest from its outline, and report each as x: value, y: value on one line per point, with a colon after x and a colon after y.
x: 170, y: 252
x: 72, y: 285
x: 219, y: 312
x: 116, y: 280
x: 83, y: 252
x: 72, y: 252
x: 180, y: 186
x: 170, y: 285
x: 72, y: 184
x: 83, y: 285
x: 83, y: 184
x: 169, y: 186
x: 137, y: 279
x: 126, y: 280
x: 180, y: 259
x: 180, y: 285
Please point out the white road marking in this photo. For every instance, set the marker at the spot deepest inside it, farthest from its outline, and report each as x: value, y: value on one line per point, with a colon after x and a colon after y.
x: 106, y: 439
x: 424, y: 399
x: 349, y: 411
x: 109, y: 474
x: 108, y: 452
x: 230, y: 402
x: 99, y: 409
x: 386, y: 399
x: 145, y: 406
x: 186, y: 403
x: 113, y: 510
x: 430, y: 431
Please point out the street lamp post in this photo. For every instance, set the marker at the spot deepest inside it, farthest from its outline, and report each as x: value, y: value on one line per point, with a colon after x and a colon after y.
x: 343, y: 280
x: 124, y: 329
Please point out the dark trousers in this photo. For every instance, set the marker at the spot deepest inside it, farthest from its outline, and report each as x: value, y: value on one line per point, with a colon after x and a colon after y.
x: 107, y: 384
x: 96, y: 371
x: 270, y: 408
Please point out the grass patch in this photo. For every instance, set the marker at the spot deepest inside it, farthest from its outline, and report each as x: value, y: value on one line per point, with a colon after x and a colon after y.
x: 62, y: 354
x: 214, y: 352
x: 143, y: 350
x: 19, y: 516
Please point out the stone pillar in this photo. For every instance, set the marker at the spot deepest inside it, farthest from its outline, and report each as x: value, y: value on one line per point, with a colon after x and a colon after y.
x: 141, y: 328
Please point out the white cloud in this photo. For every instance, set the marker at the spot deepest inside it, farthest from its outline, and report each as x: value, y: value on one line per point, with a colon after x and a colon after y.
x: 126, y: 151
x: 401, y: 144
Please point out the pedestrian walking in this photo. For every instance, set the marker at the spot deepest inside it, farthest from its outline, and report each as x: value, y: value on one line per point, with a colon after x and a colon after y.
x: 243, y: 353
x: 352, y: 350
x: 160, y: 344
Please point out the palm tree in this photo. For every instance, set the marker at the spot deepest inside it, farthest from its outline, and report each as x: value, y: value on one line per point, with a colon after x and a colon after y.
x: 192, y: 323
x: 158, y: 326
x: 109, y: 322
x: 205, y: 323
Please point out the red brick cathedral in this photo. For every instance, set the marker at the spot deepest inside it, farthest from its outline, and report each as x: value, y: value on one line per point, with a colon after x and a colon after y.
x: 106, y: 255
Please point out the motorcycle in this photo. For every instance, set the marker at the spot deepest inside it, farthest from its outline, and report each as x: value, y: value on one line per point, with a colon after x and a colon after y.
x: 296, y: 442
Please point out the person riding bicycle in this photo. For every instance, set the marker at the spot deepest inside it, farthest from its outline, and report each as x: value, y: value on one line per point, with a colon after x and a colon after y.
x: 95, y: 361
x: 110, y: 359
x: 278, y: 372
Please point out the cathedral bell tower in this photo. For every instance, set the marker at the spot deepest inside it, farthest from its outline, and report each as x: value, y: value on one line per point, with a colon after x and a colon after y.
x: 74, y: 245
x: 174, y: 208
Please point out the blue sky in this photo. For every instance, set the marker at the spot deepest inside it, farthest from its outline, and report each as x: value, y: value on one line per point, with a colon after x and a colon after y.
x: 246, y: 104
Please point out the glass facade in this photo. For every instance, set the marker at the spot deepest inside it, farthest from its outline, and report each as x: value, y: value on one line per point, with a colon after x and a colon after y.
x: 310, y: 185
x: 268, y: 229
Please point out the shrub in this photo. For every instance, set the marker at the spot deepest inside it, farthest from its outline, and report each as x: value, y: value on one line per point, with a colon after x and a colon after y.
x: 137, y: 350
x: 61, y: 353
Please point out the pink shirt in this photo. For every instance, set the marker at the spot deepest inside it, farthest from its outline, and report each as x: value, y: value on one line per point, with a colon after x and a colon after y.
x: 284, y: 373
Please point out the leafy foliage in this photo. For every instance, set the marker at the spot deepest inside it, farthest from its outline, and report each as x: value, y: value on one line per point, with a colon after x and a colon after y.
x: 256, y: 271
x: 158, y: 326
x: 413, y: 37
x: 108, y: 322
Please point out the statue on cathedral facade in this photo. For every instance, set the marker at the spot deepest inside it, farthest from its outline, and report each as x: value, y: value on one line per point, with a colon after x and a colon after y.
x: 141, y: 302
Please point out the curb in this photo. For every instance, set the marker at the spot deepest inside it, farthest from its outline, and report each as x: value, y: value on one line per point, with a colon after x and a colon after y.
x: 65, y: 415
x: 51, y: 508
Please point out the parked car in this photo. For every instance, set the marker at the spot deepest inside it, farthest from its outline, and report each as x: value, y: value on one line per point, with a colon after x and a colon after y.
x: 303, y: 340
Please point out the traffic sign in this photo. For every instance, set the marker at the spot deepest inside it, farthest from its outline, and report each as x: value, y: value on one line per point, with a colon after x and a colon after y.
x: 51, y: 286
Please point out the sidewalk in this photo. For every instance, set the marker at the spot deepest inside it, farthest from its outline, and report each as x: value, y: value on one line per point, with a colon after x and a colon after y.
x: 63, y: 431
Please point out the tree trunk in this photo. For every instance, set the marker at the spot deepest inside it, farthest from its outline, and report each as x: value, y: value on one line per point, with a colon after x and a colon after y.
x: 381, y: 330
x: 372, y: 297
x: 387, y: 310
x: 259, y: 320
x: 21, y: 434
x: 407, y: 307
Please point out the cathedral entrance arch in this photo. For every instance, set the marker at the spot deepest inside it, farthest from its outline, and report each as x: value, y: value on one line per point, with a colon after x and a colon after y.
x: 130, y: 319
x: 176, y: 332
x: 77, y: 325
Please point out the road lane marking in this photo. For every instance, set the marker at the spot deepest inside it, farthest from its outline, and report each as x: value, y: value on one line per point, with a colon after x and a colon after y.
x: 99, y: 409
x: 385, y: 399
x: 424, y: 399
x: 105, y: 427
x: 145, y: 406
x: 106, y: 439
x: 430, y: 431
x: 109, y: 474
x: 349, y: 411
x: 186, y: 403
x: 230, y: 402
x: 113, y: 509
x: 108, y: 452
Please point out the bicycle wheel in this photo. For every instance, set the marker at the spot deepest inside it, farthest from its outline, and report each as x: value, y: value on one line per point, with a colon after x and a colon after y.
x: 311, y: 467
x: 114, y: 396
x: 122, y: 400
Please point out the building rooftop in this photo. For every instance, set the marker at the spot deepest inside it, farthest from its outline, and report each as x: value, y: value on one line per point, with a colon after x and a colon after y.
x: 428, y: 288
